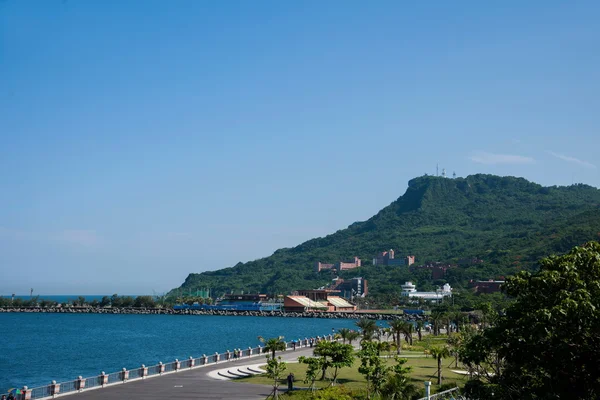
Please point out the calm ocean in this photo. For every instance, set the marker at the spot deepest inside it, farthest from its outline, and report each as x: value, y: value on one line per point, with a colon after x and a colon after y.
x: 38, y: 348
x: 64, y: 298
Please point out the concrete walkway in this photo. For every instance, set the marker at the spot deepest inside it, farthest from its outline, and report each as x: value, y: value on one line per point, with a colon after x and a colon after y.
x: 198, y: 383
x: 190, y: 384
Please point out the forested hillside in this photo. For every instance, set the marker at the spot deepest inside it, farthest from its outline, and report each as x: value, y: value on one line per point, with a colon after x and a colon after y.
x: 508, y: 222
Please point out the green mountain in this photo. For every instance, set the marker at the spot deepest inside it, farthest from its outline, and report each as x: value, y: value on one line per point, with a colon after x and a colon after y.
x: 508, y: 222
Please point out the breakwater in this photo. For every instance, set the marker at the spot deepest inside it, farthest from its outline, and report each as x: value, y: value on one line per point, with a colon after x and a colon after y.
x: 169, y: 311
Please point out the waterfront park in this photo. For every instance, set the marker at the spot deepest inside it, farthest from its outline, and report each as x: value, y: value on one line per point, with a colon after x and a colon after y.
x: 547, y: 331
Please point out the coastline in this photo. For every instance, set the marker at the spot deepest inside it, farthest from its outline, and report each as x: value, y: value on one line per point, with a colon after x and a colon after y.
x: 167, y: 311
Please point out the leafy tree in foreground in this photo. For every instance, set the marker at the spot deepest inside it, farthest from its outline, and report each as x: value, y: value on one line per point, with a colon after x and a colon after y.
x: 272, y: 345
x: 398, y: 385
x: 547, y: 344
x: 373, y: 368
x: 314, y: 366
x: 275, y: 369
x: 335, y: 355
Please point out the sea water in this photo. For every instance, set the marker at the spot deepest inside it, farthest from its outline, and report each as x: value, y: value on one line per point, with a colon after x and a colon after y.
x: 36, y: 348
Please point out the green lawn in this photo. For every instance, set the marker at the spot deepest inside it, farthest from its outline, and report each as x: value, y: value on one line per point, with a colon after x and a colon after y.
x: 424, y: 369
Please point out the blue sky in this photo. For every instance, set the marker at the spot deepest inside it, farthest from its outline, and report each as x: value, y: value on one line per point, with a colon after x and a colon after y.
x: 143, y: 140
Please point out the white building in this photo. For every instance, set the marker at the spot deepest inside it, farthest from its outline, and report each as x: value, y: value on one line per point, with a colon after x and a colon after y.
x: 410, y: 290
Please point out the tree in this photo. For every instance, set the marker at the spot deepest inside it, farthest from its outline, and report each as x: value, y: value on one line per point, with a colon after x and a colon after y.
x: 335, y: 355
x: 144, y: 301
x: 397, y: 327
x: 547, y: 343
x: 408, y: 329
x: 115, y: 300
x: 343, y: 332
x: 439, y: 353
x: 314, y: 366
x: 275, y: 369
x: 367, y: 327
x: 272, y: 345
x: 398, y: 384
x: 419, y: 330
x: 352, y: 336
x: 79, y: 301
x: 105, y: 301
x: 437, y: 318
x: 455, y: 341
x: 372, y: 367
x: 127, y: 301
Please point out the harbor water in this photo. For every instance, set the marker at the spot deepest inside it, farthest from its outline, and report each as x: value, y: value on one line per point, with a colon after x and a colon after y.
x: 36, y: 348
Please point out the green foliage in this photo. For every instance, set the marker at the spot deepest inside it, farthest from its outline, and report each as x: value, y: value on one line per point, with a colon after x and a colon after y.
x: 272, y: 345
x: 439, y: 353
x: 144, y: 301
x: 368, y: 327
x: 334, y: 355
x: 398, y: 384
x: 547, y: 344
x: 372, y: 367
x: 508, y: 222
x: 314, y: 366
x: 275, y: 369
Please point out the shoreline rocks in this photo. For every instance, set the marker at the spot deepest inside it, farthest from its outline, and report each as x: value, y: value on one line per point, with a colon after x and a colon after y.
x: 169, y: 311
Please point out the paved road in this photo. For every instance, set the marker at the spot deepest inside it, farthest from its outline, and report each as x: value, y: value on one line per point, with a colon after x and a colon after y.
x: 189, y: 384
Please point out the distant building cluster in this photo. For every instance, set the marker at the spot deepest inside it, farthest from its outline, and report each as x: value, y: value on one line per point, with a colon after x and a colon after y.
x: 387, y: 258
x: 339, y: 266
x: 490, y: 286
x: 438, y: 269
x: 350, y: 288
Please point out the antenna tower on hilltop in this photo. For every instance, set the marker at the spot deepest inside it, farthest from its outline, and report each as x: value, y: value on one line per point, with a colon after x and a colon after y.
x: 443, y: 172
x: 437, y: 169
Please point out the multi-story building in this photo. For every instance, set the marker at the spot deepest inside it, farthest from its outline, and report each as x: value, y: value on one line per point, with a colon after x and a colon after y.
x: 490, y: 286
x: 350, y: 288
x: 339, y: 266
x: 438, y: 270
x: 388, y: 258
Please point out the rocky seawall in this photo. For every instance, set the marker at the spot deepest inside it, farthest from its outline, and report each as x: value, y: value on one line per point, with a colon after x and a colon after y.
x: 168, y: 311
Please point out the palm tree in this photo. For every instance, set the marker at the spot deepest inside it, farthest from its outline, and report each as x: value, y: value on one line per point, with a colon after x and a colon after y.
x: 408, y: 330
x: 273, y: 345
x: 419, y: 328
x: 352, y: 336
x: 368, y: 327
x: 439, y: 353
x: 344, y: 334
x: 396, y: 326
x: 455, y: 341
x: 436, y: 318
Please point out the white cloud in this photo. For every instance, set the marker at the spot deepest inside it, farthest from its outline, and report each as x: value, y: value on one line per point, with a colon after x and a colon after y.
x: 573, y: 160
x: 483, y: 157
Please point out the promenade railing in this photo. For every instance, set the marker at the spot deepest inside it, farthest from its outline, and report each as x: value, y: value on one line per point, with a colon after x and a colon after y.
x: 82, y: 384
